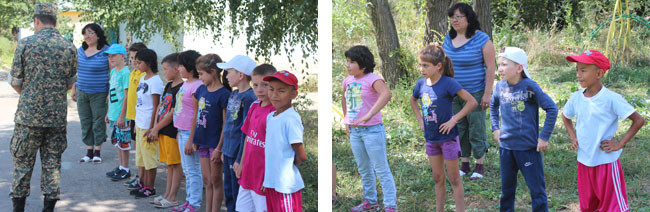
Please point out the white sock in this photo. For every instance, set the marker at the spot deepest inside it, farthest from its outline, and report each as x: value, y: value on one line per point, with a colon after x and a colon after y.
x: 125, y: 169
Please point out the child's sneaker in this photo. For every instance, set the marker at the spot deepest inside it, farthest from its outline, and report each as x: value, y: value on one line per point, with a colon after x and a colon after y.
x: 145, y: 192
x: 85, y: 159
x: 365, y: 206
x: 121, y: 175
x: 135, y: 189
x: 464, y: 169
x: 97, y: 159
x: 181, y: 207
x: 478, y: 172
x: 390, y: 210
x: 133, y: 181
x: 112, y: 172
x: 190, y: 208
x: 134, y: 185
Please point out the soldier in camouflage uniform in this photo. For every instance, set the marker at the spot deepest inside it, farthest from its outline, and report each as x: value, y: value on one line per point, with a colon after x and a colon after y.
x: 44, y: 68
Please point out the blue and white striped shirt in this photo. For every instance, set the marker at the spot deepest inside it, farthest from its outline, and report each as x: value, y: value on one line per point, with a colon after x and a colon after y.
x: 92, y: 72
x: 469, y: 66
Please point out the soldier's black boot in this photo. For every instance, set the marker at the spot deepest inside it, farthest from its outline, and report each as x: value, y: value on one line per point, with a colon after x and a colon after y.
x: 48, y: 205
x: 19, y: 204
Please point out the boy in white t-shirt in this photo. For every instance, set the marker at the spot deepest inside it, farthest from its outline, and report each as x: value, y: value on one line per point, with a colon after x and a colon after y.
x: 283, y: 150
x: 601, y: 185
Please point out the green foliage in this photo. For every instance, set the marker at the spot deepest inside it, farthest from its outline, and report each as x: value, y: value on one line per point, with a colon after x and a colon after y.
x: 309, y: 169
x: 7, y: 48
x: 271, y: 27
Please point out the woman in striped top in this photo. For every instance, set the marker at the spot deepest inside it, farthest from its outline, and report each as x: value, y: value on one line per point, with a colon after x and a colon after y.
x: 472, y: 54
x: 91, y: 90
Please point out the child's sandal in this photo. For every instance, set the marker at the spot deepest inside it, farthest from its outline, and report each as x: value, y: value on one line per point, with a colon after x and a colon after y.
x: 156, y: 200
x: 164, y: 203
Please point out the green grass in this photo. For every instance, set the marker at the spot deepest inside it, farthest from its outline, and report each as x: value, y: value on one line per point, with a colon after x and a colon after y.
x: 410, y: 167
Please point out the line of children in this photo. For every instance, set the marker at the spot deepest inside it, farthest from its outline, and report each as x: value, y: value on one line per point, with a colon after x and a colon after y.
x: 188, y: 124
x: 517, y: 99
x: 436, y: 91
x: 515, y: 123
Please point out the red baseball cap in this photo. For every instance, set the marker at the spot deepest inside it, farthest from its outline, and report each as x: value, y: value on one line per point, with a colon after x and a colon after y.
x: 284, y: 76
x: 591, y: 57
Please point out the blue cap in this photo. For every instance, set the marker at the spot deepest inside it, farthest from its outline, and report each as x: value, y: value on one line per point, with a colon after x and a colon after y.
x: 116, y: 49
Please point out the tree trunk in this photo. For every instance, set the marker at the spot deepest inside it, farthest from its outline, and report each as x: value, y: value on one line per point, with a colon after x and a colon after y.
x: 484, y: 13
x: 387, y: 41
x: 14, y: 32
x: 436, y: 22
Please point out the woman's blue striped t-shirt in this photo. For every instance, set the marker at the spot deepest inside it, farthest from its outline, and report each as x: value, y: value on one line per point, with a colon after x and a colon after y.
x: 469, y: 66
x: 92, y: 72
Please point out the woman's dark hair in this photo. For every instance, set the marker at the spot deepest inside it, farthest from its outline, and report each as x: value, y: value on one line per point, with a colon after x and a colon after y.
x: 135, y: 47
x: 188, y: 60
x: 149, y: 57
x: 434, y: 54
x: 470, y: 15
x: 362, y: 55
x: 208, y: 63
x: 101, y: 42
x: 46, y: 19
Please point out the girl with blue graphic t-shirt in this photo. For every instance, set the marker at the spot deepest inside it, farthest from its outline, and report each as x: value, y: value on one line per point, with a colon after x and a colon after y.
x: 436, y: 91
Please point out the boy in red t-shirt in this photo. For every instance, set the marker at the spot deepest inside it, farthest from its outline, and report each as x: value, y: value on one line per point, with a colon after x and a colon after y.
x: 251, y: 172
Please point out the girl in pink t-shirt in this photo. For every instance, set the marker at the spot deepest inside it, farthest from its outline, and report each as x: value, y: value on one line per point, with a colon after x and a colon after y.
x: 364, y: 95
x: 251, y: 172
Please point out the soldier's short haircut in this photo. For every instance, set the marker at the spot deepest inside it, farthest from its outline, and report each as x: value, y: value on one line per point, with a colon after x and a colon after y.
x: 264, y: 70
x: 135, y: 47
x: 46, y: 19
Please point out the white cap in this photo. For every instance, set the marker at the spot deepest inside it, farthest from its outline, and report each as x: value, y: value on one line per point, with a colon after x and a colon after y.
x: 518, y: 56
x: 241, y: 63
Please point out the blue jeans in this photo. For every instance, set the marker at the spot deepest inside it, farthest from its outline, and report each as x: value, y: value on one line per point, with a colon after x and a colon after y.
x: 192, y: 169
x: 230, y: 184
x: 532, y: 168
x: 369, y: 148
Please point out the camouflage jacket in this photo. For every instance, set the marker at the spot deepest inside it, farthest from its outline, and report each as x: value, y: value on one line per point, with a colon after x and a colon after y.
x: 44, y: 65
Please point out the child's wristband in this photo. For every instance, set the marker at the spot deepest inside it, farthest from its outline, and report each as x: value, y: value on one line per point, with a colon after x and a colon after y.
x: 454, y: 120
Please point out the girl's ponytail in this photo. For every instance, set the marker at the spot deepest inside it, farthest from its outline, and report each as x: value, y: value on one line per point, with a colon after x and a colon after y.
x: 434, y: 54
x: 208, y: 63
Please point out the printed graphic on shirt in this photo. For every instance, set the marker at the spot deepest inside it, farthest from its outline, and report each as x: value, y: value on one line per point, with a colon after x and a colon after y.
x: 428, y: 108
x: 253, y: 139
x: 165, y: 107
x: 201, y: 115
x: 178, y: 108
x: 142, y: 88
x: 353, y: 99
x: 234, y: 104
x: 516, y: 99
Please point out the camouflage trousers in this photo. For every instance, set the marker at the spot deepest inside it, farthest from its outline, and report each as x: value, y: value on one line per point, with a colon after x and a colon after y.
x: 26, y: 141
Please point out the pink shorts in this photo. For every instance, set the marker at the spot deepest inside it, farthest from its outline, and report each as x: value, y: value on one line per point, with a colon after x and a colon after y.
x: 205, y: 152
x: 281, y: 202
x: 602, y: 187
x: 450, y: 150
